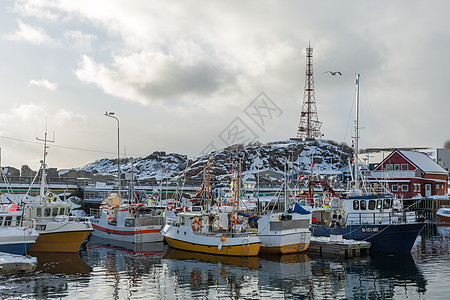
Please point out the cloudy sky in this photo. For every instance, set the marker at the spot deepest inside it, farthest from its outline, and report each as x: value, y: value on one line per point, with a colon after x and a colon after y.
x: 193, y: 76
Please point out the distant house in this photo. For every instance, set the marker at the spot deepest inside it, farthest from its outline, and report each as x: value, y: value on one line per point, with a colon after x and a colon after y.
x: 408, y: 173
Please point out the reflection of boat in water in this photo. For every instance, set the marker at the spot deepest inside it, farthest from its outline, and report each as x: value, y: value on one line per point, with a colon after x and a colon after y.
x: 287, y: 258
x: 291, y: 272
x: 251, y: 262
x: 141, y: 249
x: 195, y: 275
x: 378, y: 276
x: 443, y: 230
x: 399, y: 267
x: 60, y: 263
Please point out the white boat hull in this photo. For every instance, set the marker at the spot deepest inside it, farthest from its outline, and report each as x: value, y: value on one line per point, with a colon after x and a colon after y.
x: 17, y: 240
x: 284, y: 236
x: 135, y: 235
x: 184, y: 238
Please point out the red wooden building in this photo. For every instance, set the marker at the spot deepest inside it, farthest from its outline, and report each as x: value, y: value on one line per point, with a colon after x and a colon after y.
x: 408, y: 173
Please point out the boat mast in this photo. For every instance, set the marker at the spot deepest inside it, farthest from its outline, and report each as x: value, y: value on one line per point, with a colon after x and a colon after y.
x: 43, y: 162
x: 356, y: 154
x: 285, y: 187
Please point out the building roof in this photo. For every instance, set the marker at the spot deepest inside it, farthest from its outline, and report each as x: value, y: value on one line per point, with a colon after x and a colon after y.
x: 423, y: 162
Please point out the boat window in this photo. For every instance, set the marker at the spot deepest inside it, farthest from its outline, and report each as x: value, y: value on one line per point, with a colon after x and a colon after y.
x: 181, y: 220
x: 54, y: 211
x: 379, y: 204
x: 47, y: 212
x: 386, y: 203
x: 355, y: 204
x: 61, y: 211
x: 363, y: 203
x: 39, y: 212
x: 18, y: 219
x: 1, y: 221
x: 371, y: 204
x: 8, y: 221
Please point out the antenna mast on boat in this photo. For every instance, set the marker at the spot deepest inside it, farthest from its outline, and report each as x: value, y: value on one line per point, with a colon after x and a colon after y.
x: 356, y: 158
x: 43, y: 162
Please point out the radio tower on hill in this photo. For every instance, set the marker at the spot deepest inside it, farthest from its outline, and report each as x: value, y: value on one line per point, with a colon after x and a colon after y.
x: 309, y: 127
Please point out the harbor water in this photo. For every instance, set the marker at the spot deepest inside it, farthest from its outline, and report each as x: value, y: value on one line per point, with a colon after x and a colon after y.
x: 102, y: 270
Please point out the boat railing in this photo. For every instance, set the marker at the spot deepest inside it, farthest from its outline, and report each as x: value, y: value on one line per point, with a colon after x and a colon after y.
x: 377, y: 218
x: 79, y: 219
x: 95, y: 212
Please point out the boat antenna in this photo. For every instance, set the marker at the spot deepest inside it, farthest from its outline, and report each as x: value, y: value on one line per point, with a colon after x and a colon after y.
x: 43, y: 162
x: 356, y: 158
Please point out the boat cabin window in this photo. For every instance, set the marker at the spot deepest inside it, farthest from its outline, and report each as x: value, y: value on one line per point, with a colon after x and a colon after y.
x: 61, y: 211
x: 387, y: 203
x: 181, y: 220
x: 355, y: 204
x: 362, y: 204
x: 8, y: 221
x: 372, y: 204
x: 379, y: 204
x: 47, y: 212
x: 54, y: 211
x: 1, y: 221
x: 18, y: 219
x: 39, y: 212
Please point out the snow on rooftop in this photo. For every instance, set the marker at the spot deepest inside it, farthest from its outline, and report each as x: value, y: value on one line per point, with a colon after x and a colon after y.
x: 423, y: 162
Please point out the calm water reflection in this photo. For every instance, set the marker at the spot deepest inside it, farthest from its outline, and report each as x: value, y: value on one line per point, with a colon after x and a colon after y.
x: 103, y: 270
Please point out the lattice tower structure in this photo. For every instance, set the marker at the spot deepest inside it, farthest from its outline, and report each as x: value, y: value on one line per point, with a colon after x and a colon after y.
x: 309, y: 126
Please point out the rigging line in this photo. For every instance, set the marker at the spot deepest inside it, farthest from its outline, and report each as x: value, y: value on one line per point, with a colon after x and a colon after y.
x: 370, y: 111
x: 65, y: 147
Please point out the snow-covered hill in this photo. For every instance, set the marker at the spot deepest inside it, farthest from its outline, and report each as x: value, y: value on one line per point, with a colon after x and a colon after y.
x: 296, y: 157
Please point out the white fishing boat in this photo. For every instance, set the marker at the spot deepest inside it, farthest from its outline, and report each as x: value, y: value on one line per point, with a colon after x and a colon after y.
x: 215, y: 231
x: 211, y: 233
x: 285, y: 232
x: 58, y: 230
x: 14, y: 238
x: 123, y: 217
x: 443, y: 214
x: 367, y: 211
x: 118, y: 219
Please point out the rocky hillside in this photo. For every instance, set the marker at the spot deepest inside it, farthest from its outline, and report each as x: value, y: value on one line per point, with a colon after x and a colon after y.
x: 296, y: 157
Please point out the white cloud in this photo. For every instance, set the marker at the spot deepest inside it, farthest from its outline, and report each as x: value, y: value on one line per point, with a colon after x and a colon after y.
x: 187, y: 62
x: 64, y: 117
x: 43, y: 83
x: 146, y: 76
x: 79, y: 40
x: 26, y: 112
x: 28, y: 33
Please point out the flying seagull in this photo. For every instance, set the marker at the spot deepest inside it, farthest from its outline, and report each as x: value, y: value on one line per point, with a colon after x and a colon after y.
x: 333, y: 73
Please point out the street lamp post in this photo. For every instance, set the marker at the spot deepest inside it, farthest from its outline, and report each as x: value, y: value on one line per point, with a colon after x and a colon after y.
x: 111, y: 115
